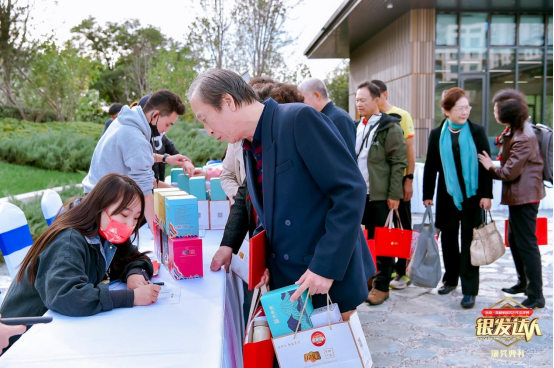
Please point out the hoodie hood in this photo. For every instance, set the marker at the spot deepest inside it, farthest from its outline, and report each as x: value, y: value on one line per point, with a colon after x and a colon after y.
x: 387, y: 120
x: 135, y: 117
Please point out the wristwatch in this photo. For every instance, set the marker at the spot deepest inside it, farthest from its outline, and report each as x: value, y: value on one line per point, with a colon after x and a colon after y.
x: 165, y: 156
x: 409, y: 176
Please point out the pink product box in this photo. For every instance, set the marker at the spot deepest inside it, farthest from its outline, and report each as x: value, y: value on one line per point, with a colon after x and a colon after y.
x: 157, y: 242
x: 185, y: 258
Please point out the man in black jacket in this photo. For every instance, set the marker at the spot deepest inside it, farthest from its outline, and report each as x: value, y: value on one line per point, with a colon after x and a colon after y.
x: 316, y: 95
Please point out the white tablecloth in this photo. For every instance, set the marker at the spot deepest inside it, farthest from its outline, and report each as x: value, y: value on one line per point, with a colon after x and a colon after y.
x: 202, y: 330
x: 417, y: 199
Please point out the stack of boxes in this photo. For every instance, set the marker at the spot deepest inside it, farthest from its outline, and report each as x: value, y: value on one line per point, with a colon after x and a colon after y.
x: 180, y: 214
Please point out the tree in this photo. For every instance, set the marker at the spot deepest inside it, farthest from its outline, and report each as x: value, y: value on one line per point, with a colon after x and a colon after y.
x: 337, y: 83
x: 15, y: 48
x: 296, y: 75
x: 260, y: 36
x: 209, y: 37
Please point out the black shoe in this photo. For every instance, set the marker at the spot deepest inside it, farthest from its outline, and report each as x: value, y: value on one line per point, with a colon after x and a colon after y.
x: 468, y: 301
x: 532, y: 304
x: 516, y: 289
x: 445, y: 289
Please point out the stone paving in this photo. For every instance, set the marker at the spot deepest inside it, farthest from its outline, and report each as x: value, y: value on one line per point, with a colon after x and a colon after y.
x: 417, y: 327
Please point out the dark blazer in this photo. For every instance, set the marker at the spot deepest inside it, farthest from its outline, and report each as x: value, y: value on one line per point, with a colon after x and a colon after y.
x: 344, y: 124
x: 433, y: 165
x: 240, y: 218
x: 313, y: 196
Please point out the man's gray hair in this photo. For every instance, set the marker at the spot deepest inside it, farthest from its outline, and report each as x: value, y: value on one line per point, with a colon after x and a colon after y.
x: 212, y: 84
x: 315, y: 85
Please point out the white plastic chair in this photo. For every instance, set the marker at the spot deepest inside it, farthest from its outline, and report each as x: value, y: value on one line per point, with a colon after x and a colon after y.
x: 15, y: 236
x: 51, y: 204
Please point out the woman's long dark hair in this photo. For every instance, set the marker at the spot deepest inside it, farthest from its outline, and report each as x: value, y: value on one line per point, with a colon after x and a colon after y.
x: 85, y: 218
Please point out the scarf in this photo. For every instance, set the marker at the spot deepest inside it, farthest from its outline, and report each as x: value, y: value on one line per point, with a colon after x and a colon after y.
x: 468, y: 156
x: 499, y: 141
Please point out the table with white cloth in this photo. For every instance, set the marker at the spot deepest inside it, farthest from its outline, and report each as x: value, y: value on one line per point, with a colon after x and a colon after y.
x: 202, y: 330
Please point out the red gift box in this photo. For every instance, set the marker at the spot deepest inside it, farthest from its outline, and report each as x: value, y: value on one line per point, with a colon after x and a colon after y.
x: 541, y: 233
x: 392, y: 242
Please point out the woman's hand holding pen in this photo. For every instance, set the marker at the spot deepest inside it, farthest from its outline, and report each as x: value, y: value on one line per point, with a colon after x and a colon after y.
x: 146, y: 294
x: 135, y: 281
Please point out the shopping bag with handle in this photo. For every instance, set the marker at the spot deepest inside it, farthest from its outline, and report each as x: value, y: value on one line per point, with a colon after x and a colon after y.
x: 541, y: 232
x: 392, y: 242
x: 341, y: 344
x: 424, y: 268
x: 259, y: 354
x: 487, y: 245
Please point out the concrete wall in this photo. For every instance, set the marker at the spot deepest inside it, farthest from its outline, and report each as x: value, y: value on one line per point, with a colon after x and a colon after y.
x: 402, y: 56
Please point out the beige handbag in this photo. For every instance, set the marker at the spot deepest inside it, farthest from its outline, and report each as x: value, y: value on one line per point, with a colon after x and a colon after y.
x: 487, y: 245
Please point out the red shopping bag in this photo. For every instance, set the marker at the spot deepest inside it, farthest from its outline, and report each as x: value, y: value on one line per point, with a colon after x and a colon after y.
x: 542, y: 232
x: 392, y: 242
x: 257, y: 354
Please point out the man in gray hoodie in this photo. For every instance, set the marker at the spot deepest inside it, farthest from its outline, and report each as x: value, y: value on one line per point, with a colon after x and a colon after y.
x: 125, y: 147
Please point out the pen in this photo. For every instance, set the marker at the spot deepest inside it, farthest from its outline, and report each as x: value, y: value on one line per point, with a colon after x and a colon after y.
x: 145, y: 275
x: 161, y: 283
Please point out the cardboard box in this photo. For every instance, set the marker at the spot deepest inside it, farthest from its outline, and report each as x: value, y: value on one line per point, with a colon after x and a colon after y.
x: 320, y: 317
x: 157, y: 199
x: 181, y: 216
x: 175, y: 172
x: 216, y: 190
x: 183, y: 183
x: 185, y: 258
x: 160, y: 213
x: 283, y: 315
x: 203, y: 215
x: 342, y: 345
x: 239, y: 261
x: 219, y: 214
x: 165, y: 249
x: 198, y: 187
x: 157, y: 242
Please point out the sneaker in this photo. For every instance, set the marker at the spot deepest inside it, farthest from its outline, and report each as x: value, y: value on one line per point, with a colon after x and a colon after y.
x: 377, y: 297
x: 400, y: 282
x: 393, y: 275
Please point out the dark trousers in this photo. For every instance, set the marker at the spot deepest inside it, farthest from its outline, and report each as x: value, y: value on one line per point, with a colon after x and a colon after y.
x: 525, y: 251
x: 458, y: 264
x: 405, y: 211
x: 375, y: 215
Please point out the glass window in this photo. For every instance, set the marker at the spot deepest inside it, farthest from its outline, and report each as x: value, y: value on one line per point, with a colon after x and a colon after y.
x: 550, y: 31
x: 548, y: 102
x: 502, y: 75
x: 447, y: 30
x: 503, y: 30
x: 446, y: 76
x: 473, y: 43
x: 530, y: 81
x: 531, y: 30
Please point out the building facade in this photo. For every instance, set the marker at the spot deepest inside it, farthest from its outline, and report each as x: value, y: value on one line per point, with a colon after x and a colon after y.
x: 421, y: 48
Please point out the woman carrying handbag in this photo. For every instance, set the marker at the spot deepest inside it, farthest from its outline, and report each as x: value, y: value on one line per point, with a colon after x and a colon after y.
x: 464, y: 190
x: 522, y: 190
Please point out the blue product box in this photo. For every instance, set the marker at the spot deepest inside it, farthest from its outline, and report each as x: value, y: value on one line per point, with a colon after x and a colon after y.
x: 198, y: 187
x: 183, y: 183
x: 175, y: 172
x: 181, y: 214
x: 217, y: 193
x: 282, y: 315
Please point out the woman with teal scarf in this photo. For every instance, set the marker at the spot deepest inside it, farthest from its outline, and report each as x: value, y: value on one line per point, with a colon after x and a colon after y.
x: 464, y: 190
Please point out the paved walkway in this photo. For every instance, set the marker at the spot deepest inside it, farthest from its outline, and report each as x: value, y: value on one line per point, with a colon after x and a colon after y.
x: 417, y: 327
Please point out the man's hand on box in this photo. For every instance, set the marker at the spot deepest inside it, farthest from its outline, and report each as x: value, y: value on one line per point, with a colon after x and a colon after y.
x: 222, y: 258
x: 309, y: 280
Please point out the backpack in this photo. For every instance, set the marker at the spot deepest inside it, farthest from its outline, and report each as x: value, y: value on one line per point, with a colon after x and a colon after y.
x: 544, y: 136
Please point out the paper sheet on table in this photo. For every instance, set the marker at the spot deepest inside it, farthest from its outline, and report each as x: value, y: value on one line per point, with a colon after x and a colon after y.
x: 167, y: 295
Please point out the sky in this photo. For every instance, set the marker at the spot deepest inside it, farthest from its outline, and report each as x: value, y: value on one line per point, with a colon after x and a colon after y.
x: 173, y: 17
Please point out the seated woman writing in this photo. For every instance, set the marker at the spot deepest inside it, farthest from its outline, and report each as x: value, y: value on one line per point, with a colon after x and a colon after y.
x: 89, y: 243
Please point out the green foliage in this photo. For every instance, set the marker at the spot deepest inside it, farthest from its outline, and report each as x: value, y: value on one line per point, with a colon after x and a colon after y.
x: 33, y: 211
x: 66, y: 147
x: 196, y: 145
x: 17, y: 179
x: 337, y: 83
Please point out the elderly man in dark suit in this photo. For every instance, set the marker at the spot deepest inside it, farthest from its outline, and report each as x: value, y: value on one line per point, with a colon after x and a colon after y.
x: 305, y: 187
x: 316, y: 95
